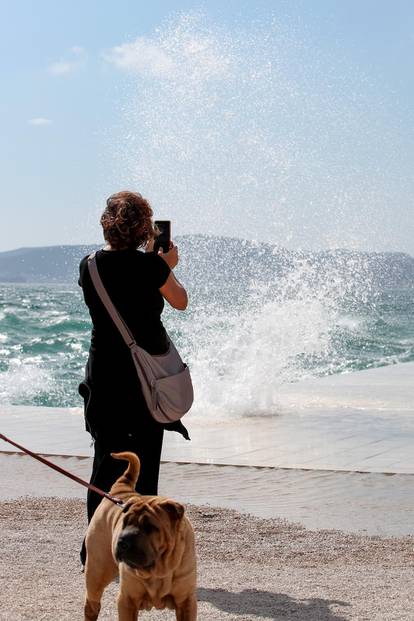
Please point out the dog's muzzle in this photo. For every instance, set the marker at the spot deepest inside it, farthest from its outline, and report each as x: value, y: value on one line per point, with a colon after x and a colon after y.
x: 132, y: 550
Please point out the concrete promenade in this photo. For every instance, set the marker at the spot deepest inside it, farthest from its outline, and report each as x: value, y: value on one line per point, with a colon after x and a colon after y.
x: 324, y: 434
x: 360, y: 421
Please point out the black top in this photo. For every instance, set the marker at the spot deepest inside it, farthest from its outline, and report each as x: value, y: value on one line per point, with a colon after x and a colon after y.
x: 114, y: 402
x: 132, y: 280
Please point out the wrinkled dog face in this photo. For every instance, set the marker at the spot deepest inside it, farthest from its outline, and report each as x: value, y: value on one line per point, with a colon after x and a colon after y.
x: 145, y: 533
x: 140, y: 541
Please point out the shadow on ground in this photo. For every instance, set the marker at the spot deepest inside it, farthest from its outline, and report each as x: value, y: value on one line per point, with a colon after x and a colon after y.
x: 270, y: 605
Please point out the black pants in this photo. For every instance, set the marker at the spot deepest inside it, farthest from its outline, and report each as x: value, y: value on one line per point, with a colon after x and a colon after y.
x: 106, y: 470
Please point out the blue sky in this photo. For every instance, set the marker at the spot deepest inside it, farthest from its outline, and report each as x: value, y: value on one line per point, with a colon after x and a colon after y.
x: 290, y: 122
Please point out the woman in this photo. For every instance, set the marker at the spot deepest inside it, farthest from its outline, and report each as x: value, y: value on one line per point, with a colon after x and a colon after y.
x: 137, y: 282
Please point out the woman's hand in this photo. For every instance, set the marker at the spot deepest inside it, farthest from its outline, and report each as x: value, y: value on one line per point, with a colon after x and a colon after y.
x: 172, y: 290
x: 170, y: 257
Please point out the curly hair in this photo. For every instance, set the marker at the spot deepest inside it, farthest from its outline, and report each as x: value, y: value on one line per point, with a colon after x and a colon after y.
x: 127, y: 221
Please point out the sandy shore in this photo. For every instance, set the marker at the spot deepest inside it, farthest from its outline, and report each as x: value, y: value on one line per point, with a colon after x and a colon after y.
x: 249, y: 568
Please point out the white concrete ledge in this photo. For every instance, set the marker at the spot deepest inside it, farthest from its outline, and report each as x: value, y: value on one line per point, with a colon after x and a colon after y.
x: 353, y: 422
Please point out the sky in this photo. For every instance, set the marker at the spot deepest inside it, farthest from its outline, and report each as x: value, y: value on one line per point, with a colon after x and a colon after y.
x: 289, y: 122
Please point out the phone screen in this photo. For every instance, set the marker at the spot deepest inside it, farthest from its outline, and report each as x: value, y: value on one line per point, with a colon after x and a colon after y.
x: 164, y: 238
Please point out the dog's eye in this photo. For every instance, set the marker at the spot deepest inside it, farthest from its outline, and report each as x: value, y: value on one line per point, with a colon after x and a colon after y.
x: 147, y: 527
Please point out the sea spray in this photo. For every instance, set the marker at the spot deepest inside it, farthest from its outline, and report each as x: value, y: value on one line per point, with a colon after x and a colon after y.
x: 271, y: 318
x: 253, y: 133
x: 250, y: 132
x: 259, y: 316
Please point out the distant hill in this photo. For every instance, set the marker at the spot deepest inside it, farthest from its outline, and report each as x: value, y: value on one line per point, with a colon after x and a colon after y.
x: 221, y: 259
x: 53, y: 264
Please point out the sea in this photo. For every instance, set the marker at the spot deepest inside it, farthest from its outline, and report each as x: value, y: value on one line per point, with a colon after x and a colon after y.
x: 259, y: 316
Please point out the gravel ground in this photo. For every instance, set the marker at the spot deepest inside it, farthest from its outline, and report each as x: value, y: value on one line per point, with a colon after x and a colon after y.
x: 249, y: 568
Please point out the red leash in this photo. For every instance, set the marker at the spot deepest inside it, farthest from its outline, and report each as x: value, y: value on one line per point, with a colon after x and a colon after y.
x: 116, y: 501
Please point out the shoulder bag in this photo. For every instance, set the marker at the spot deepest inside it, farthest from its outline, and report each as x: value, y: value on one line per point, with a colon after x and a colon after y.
x: 165, y: 379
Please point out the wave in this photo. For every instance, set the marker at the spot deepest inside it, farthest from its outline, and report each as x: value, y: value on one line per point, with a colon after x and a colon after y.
x: 258, y: 317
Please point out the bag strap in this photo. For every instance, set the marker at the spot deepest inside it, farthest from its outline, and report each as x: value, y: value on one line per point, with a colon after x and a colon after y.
x: 107, y: 302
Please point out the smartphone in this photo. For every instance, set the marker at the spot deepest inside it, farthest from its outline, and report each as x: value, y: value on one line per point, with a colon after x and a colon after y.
x: 164, y: 238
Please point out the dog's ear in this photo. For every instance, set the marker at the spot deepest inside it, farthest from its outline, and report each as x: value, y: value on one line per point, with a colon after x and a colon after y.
x: 174, y: 509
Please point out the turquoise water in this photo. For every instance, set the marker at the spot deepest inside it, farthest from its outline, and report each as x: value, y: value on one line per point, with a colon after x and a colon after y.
x: 44, y: 337
x: 251, y: 343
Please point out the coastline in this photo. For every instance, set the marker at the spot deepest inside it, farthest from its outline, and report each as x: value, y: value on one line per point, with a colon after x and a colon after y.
x: 294, y: 541
x: 302, y: 464
x: 361, y: 421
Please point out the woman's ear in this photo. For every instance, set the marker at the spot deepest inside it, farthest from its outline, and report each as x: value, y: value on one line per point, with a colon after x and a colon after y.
x: 149, y: 246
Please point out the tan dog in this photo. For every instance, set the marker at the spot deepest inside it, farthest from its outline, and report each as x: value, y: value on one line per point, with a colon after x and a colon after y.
x: 150, y: 543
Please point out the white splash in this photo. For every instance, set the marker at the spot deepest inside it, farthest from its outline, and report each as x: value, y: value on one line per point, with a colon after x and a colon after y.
x: 24, y: 380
